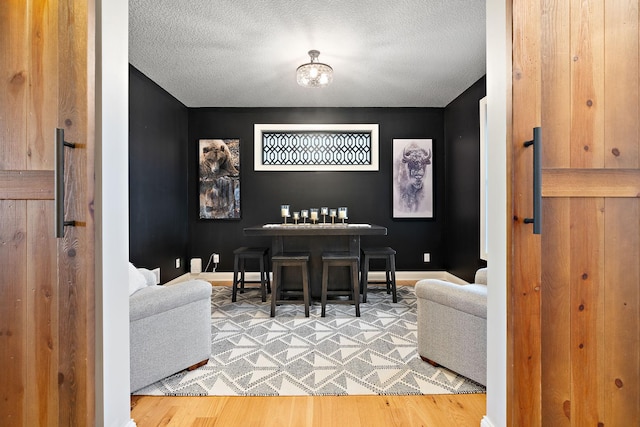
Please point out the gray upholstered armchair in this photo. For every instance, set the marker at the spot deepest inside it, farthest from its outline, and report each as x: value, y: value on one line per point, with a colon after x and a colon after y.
x: 452, y: 325
x: 170, y: 330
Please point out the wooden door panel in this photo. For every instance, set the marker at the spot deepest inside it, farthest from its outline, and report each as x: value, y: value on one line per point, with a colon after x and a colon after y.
x: 586, y: 141
x: 621, y: 301
x: 523, y: 294
x: 13, y: 315
x: 589, y: 105
x: 47, y: 326
x: 42, y: 309
x: 43, y: 91
x: 621, y: 79
x: 555, y: 314
x: 555, y: 58
x: 586, y: 234
x: 15, y: 82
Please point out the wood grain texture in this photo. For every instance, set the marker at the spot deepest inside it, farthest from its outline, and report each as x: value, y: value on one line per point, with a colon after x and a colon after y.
x: 621, y: 74
x: 556, y: 319
x: 523, y: 328
x: 43, y: 89
x: 13, y: 312
x: 26, y: 184
x: 32, y: 64
x: 14, y: 78
x: 556, y: 88
x: 622, y: 312
x: 42, y: 298
x: 591, y: 183
x: 590, y: 214
x: 326, y: 411
x: 587, y: 83
x: 75, y: 251
x: 587, y: 310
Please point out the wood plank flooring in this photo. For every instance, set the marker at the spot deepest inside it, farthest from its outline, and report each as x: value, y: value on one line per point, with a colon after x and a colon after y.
x: 318, y: 411
x: 460, y: 410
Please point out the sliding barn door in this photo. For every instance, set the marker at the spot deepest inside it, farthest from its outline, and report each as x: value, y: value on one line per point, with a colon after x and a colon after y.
x: 575, y: 288
x: 46, y: 283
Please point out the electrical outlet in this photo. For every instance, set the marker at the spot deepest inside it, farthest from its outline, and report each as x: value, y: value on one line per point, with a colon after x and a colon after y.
x: 426, y: 257
x: 216, y: 258
x: 177, y: 262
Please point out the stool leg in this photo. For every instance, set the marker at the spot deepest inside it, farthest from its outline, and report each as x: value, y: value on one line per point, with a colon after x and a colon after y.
x: 263, y: 283
x: 242, y: 268
x: 387, y: 273
x: 393, y: 278
x: 266, y: 272
x: 356, y: 291
x: 305, y: 288
x: 274, y: 294
x: 234, y: 289
x: 360, y: 269
x: 365, y: 278
x: 325, y: 281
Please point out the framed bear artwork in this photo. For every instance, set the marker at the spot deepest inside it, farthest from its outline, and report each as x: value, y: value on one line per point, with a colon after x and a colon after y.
x: 219, y: 178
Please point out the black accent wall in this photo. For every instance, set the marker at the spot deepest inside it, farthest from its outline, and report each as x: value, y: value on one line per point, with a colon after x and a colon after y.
x: 158, y: 177
x: 462, y: 136
x: 366, y: 194
x: 164, y: 219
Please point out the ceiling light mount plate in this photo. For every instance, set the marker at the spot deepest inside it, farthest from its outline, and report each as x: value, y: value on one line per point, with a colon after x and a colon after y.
x: 314, y: 74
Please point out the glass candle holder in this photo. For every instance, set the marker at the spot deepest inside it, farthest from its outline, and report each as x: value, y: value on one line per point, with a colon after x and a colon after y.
x: 284, y: 212
x: 332, y: 214
x: 296, y: 217
x: 304, y: 214
x: 342, y: 214
x: 324, y: 212
x: 313, y: 215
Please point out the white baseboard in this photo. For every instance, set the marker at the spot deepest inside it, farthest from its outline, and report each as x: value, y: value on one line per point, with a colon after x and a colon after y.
x: 227, y: 276
x: 486, y: 422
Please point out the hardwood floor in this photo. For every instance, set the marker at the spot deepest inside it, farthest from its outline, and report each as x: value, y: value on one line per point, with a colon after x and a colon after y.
x: 318, y: 411
x: 460, y: 410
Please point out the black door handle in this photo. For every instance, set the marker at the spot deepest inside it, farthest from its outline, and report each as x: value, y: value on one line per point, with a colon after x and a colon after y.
x: 537, y: 181
x: 60, y: 223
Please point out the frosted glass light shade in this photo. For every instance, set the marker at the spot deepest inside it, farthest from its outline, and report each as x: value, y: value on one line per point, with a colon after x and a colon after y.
x: 314, y: 74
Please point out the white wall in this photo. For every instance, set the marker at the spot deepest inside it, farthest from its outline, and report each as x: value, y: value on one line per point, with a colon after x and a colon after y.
x: 112, y: 213
x: 498, y: 78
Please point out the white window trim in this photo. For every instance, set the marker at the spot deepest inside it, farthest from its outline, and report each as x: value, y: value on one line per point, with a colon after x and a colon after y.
x: 259, y: 129
x: 483, y: 179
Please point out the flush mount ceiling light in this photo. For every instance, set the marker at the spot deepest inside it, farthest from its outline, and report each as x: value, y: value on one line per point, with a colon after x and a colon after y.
x: 314, y: 73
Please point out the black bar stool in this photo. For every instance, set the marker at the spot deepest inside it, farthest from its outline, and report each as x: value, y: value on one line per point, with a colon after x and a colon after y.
x: 389, y: 255
x: 241, y: 255
x: 290, y: 259
x: 340, y: 259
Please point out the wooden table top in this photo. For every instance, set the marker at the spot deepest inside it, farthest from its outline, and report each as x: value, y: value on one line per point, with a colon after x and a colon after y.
x: 315, y: 230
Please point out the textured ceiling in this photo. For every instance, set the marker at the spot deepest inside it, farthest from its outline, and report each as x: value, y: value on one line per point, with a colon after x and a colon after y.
x: 226, y: 53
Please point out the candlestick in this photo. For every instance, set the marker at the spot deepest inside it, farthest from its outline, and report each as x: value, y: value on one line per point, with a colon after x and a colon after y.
x: 314, y: 215
x: 284, y: 212
x: 304, y: 214
x: 332, y: 214
x: 324, y: 212
x: 296, y: 217
x: 342, y: 214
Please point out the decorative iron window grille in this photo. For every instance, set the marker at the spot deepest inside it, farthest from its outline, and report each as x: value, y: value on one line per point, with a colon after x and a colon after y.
x: 316, y: 147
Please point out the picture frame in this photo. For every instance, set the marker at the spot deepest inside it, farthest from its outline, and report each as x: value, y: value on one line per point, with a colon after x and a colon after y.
x: 412, y: 178
x: 219, y: 178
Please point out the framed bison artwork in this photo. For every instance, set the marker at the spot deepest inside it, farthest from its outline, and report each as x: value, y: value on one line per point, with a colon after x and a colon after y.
x: 219, y: 178
x: 412, y: 178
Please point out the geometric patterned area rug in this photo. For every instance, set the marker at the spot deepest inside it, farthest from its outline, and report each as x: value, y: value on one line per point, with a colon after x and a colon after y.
x: 292, y: 355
